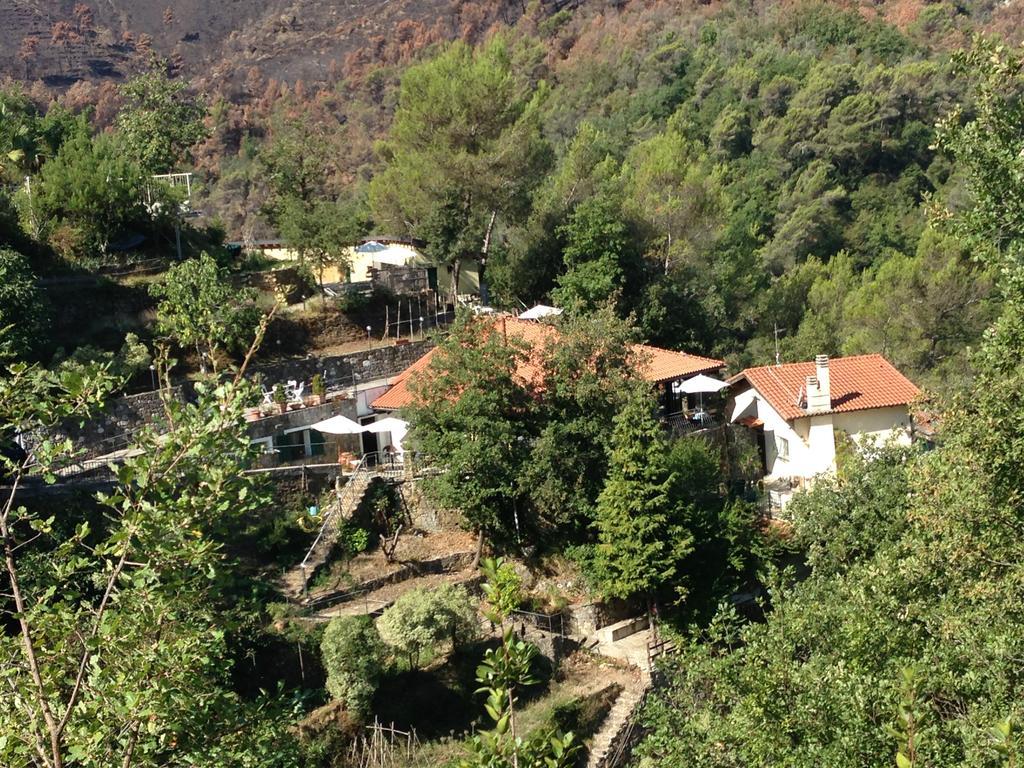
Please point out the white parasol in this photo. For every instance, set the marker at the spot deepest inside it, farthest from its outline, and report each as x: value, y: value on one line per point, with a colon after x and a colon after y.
x: 698, y: 385
x: 338, y: 425
x: 397, y: 427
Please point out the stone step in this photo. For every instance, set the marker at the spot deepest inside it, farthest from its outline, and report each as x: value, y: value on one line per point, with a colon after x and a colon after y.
x: 618, y: 718
x: 294, y: 581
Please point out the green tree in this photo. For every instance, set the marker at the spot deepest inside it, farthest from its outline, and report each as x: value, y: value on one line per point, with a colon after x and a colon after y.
x: 599, y: 255
x: 983, y: 145
x: 116, y: 650
x: 846, y: 521
x: 322, y: 232
x: 474, y: 417
x: 641, y: 539
x: 160, y: 121
x: 353, y: 657
x: 200, y: 310
x: 588, y: 370
x: 28, y: 138
x: 467, y: 139
x: 534, y: 259
x: 922, y: 312
x: 912, y: 568
x: 424, y: 619
x: 675, y: 190
x: 92, y: 188
x: 298, y: 162
x: 22, y: 307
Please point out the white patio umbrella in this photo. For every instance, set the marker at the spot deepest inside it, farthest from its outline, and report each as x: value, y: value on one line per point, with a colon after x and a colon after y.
x: 397, y: 427
x: 698, y: 385
x: 540, y: 311
x: 338, y: 425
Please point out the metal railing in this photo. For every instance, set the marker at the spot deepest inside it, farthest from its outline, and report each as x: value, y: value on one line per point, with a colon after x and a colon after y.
x: 329, y: 527
x: 83, y: 469
x: 552, y: 623
x: 680, y: 424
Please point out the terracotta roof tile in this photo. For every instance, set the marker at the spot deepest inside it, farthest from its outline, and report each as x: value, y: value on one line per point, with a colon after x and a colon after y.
x: 400, y: 395
x: 858, y: 383
x: 659, y: 365
x: 665, y: 365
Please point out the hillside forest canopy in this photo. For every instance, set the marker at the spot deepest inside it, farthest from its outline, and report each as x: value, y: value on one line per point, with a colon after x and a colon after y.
x: 752, y: 181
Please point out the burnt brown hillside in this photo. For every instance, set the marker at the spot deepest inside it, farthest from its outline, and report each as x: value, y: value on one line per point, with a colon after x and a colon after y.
x: 221, y: 46
x: 60, y: 42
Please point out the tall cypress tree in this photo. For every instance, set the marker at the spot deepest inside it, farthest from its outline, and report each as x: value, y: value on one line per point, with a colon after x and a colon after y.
x: 641, y: 537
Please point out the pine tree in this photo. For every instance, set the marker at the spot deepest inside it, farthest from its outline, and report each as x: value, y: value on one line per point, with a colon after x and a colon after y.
x: 641, y: 539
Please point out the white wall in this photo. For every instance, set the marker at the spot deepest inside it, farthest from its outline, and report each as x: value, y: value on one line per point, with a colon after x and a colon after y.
x: 820, y: 455
x: 749, y: 403
x: 402, y: 255
x: 812, y: 445
x: 877, y: 425
x: 396, y: 254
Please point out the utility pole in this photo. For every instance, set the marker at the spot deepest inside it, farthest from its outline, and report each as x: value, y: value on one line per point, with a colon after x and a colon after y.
x: 778, y: 360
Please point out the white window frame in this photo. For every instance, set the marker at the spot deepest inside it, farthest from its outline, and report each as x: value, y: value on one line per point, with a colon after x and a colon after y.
x: 782, y: 447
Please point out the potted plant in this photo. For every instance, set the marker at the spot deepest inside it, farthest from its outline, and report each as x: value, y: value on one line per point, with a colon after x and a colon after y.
x: 319, y: 389
x: 281, y: 397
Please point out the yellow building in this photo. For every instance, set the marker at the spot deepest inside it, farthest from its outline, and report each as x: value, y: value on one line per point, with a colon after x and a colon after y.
x: 373, y: 253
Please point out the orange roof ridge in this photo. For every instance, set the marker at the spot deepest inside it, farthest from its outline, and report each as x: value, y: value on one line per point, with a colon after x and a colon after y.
x: 858, y: 382
x: 659, y: 365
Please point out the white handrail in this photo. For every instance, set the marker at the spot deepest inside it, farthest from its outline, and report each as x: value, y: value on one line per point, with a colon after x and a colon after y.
x: 362, y: 468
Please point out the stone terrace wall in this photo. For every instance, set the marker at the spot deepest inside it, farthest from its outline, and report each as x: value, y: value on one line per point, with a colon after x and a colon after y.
x: 108, y: 430
x: 337, y: 369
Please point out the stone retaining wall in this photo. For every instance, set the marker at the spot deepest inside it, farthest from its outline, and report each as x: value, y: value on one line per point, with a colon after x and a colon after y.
x: 585, y: 620
x: 384, y: 362
x: 109, y: 430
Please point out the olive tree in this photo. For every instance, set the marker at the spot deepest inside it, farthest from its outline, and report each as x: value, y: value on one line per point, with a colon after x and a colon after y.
x: 424, y: 618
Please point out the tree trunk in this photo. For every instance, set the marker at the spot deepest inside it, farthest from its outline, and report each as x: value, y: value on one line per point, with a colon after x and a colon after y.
x: 479, y: 548
x: 456, y: 270
x: 484, y: 298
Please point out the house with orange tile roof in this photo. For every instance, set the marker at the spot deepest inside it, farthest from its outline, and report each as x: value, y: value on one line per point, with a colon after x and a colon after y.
x: 799, y: 410
x: 660, y: 367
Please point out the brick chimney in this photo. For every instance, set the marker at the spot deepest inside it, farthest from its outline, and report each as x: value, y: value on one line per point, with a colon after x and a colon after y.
x: 819, y: 387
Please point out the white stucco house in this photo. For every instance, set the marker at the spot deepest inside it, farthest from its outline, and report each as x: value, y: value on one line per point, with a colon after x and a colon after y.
x: 799, y: 409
